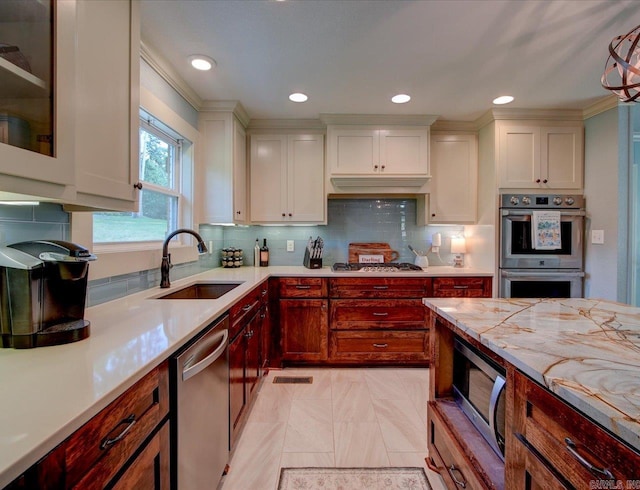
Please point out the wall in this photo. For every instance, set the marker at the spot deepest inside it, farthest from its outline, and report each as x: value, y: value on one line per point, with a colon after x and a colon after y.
x: 605, y: 202
x: 392, y: 221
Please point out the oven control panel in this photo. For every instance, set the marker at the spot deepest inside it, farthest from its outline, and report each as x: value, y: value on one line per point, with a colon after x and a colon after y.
x: 538, y: 201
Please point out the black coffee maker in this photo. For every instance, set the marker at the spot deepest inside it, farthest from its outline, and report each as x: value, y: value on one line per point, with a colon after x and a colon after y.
x: 43, y: 289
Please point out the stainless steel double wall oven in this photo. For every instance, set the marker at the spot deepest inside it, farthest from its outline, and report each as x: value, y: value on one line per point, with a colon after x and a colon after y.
x: 529, y: 271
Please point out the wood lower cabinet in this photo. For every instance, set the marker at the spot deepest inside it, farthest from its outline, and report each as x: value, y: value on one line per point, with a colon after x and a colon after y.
x: 126, y: 445
x: 553, y: 442
x: 462, y: 287
x: 244, y: 357
x: 378, y: 320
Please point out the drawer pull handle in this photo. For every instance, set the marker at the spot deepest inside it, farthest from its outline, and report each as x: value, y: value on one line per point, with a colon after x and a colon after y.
x: 460, y: 483
x: 460, y: 287
x: 247, y: 307
x: 303, y: 287
x: 380, y: 287
x: 381, y: 346
x: 573, y: 449
x: 108, y: 442
x: 376, y: 313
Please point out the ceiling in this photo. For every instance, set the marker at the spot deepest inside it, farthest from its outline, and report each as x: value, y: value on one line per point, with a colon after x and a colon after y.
x: 350, y: 56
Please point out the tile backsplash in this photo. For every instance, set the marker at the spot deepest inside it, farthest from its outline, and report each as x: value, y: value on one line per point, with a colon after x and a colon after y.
x: 349, y: 220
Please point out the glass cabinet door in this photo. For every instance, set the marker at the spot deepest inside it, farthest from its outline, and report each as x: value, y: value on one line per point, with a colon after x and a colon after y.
x: 26, y: 75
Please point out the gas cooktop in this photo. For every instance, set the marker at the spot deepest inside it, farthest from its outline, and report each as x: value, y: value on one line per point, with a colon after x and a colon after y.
x: 385, y: 267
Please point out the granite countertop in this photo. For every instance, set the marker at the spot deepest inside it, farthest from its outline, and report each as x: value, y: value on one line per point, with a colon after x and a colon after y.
x: 587, y: 351
x: 49, y: 392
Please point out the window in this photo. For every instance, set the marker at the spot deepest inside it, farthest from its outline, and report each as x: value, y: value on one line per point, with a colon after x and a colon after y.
x: 160, y: 197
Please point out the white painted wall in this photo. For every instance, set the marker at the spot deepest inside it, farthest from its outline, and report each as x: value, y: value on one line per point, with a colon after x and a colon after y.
x: 601, y: 190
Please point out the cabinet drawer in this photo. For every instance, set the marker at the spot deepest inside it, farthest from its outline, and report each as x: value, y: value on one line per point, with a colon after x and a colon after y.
x: 456, y: 470
x: 379, y: 287
x: 398, y: 345
x: 302, y: 287
x: 462, y: 287
x: 242, y: 311
x: 95, y: 452
x: 401, y: 314
x: 571, y: 443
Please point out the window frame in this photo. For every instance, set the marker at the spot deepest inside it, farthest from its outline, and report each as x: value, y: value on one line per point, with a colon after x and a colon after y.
x: 128, y: 257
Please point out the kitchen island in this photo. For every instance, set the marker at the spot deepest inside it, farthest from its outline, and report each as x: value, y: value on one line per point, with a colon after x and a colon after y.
x: 586, y: 352
x: 50, y: 392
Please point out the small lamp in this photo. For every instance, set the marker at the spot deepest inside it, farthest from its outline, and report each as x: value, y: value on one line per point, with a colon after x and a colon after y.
x: 458, y: 247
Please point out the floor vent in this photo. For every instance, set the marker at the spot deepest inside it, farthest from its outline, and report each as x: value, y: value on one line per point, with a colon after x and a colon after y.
x: 294, y: 379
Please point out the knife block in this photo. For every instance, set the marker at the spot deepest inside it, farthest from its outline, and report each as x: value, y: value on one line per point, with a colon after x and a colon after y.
x: 310, y: 263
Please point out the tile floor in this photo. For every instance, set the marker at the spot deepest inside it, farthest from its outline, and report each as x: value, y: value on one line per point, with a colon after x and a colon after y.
x: 345, y: 418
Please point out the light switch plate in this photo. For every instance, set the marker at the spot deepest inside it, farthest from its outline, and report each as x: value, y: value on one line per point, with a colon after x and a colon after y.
x: 290, y: 246
x: 597, y: 236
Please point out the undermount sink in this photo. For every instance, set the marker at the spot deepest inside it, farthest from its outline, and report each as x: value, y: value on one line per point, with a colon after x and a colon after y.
x: 202, y: 290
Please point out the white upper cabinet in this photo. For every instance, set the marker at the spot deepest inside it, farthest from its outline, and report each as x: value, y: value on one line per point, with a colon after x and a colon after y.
x: 107, y: 104
x: 222, y: 167
x: 454, y: 178
x: 540, y: 156
x: 95, y: 102
x: 378, y: 152
x: 287, y: 178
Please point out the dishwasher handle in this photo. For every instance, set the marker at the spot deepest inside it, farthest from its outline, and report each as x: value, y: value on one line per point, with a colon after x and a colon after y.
x: 208, y: 360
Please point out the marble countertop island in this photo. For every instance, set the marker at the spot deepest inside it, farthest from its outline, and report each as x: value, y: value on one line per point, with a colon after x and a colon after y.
x: 586, y: 351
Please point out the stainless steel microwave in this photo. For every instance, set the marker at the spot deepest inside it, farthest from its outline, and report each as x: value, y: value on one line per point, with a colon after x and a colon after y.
x: 479, y: 390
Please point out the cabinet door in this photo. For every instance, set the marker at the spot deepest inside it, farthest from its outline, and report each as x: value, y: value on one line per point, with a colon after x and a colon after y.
x: 240, y: 214
x: 561, y: 156
x: 222, y: 168
x: 252, y: 355
x: 150, y: 469
x: 304, y: 328
x: 354, y: 151
x: 454, y: 179
x: 404, y: 152
x: 519, y: 156
x: 268, y: 178
x: 107, y: 104
x: 305, y: 168
x: 30, y: 172
x: 237, y: 398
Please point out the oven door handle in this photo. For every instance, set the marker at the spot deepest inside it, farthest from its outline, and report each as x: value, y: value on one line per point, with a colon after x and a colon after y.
x: 548, y: 273
x: 498, y: 388
x: 528, y: 212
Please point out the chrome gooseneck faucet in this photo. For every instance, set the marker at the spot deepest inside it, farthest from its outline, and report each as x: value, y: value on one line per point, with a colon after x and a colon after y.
x: 166, y: 256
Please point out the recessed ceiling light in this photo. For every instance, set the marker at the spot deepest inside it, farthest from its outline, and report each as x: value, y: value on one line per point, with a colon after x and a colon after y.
x: 503, y: 99
x: 201, y: 62
x: 400, y: 99
x: 298, y: 97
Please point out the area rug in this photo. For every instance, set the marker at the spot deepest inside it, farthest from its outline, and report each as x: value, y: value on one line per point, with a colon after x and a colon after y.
x: 353, y: 479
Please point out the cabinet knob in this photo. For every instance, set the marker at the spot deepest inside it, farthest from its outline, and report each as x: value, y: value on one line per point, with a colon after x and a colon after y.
x: 382, y: 167
x: 544, y: 181
x: 537, y: 181
x: 433, y: 215
x: 375, y: 167
x: 284, y: 215
x: 238, y: 212
x: 290, y: 214
x: 138, y: 185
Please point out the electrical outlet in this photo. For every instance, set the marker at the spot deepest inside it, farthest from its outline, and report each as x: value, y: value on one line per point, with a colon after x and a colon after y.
x: 290, y: 246
x: 597, y: 236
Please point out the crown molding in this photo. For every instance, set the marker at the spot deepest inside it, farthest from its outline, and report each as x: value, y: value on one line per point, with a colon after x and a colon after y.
x: 537, y: 114
x: 234, y: 106
x: 379, y: 119
x: 603, y: 105
x: 170, y: 75
x: 289, y: 124
x: 456, y: 126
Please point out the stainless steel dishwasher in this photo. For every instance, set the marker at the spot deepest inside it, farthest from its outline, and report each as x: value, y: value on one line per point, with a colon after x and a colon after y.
x: 200, y: 430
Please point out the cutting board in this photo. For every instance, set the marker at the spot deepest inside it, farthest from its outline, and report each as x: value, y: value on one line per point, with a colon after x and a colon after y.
x: 372, y: 248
